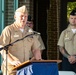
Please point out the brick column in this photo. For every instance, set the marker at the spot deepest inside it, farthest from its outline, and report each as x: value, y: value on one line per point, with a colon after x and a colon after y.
x: 52, y: 30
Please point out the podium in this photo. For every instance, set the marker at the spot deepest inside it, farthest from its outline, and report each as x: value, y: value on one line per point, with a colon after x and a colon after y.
x: 38, y: 67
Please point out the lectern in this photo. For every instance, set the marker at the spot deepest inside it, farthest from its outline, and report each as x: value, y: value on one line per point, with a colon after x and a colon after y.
x: 40, y: 67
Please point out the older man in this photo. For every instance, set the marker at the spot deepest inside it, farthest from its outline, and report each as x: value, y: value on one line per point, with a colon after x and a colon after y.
x: 20, y: 51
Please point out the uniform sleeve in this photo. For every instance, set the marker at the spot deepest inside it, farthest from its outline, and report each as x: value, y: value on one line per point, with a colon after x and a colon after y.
x: 5, y: 37
x: 4, y: 40
x: 61, y: 40
x: 36, y: 44
x: 42, y: 46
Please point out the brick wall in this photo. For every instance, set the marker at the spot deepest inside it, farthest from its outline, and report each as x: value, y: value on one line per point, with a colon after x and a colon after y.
x: 52, y: 30
x: 9, y: 12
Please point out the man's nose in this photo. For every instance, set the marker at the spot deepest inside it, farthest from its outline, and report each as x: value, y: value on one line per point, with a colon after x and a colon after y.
x: 23, y: 17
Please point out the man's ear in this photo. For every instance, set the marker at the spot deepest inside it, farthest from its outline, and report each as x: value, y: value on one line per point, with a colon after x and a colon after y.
x: 14, y: 16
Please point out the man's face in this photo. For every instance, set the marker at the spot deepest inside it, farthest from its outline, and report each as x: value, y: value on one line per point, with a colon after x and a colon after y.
x: 30, y: 24
x: 21, y: 18
x: 72, y: 20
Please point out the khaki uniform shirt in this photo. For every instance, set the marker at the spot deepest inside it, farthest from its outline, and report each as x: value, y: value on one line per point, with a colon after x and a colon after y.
x: 21, y: 49
x: 68, y: 41
x: 42, y: 46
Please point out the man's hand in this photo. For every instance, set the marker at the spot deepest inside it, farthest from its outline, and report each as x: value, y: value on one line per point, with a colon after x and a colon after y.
x: 37, y: 55
x: 15, y: 63
x: 72, y: 59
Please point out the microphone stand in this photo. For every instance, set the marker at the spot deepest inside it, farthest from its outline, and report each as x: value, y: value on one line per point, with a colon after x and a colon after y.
x: 6, y: 47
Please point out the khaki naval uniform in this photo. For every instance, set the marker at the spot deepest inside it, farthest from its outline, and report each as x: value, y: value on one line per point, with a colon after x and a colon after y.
x: 42, y: 46
x: 21, y: 49
x: 68, y: 41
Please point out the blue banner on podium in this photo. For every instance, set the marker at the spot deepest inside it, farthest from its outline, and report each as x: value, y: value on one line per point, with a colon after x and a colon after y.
x: 39, y: 68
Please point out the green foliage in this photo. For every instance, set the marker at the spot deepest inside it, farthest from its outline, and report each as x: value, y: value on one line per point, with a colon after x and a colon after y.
x: 70, y: 7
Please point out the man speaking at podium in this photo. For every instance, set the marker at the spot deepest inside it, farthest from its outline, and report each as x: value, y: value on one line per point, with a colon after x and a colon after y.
x: 19, y: 52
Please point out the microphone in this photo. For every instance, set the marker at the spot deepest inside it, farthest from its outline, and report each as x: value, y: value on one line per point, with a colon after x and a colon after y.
x: 31, y: 31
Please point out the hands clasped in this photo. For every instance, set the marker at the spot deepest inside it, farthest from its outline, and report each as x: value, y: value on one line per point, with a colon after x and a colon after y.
x: 72, y: 59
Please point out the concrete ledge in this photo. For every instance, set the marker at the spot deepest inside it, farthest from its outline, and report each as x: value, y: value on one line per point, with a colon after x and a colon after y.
x: 67, y: 73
